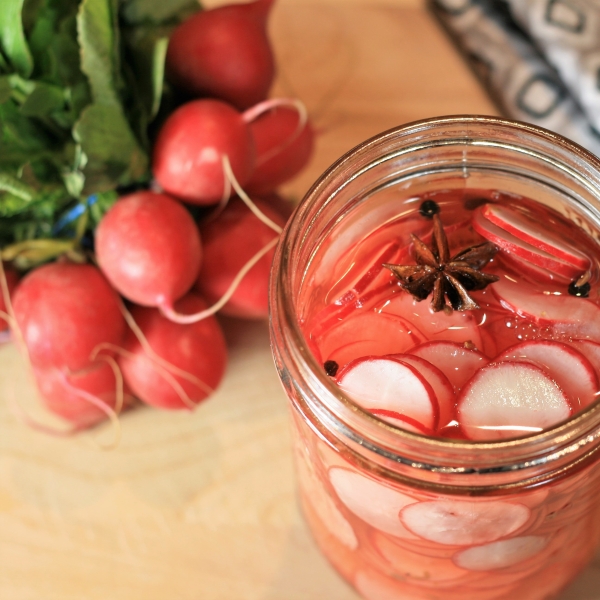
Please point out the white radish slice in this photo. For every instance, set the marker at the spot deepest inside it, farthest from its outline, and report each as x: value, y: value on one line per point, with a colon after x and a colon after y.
x: 591, y: 350
x: 389, y: 384
x: 464, y: 522
x: 544, y: 238
x: 565, y: 314
x: 510, y: 399
x: 366, y: 334
x: 571, y: 370
x: 455, y: 361
x: 438, y: 381
x: 509, y: 243
x: 502, y: 554
x: 458, y: 326
x: 417, y: 566
x: 373, y: 502
x: 324, y: 507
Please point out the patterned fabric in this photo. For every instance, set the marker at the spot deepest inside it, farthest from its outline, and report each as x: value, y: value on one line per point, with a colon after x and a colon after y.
x: 540, y: 59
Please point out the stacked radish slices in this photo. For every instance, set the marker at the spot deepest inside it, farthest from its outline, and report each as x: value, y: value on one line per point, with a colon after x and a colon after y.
x: 527, y: 359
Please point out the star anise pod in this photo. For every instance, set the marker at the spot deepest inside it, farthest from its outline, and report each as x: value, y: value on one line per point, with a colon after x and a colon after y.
x: 447, y: 277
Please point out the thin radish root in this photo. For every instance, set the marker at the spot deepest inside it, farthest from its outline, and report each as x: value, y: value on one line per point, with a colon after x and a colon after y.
x: 262, y: 107
x: 172, y: 315
x: 245, y: 198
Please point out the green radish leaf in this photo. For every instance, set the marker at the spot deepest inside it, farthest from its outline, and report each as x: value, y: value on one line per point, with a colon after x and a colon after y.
x: 43, y: 100
x: 113, y: 153
x: 12, y: 37
x: 158, y: 11
x: 5, y: 88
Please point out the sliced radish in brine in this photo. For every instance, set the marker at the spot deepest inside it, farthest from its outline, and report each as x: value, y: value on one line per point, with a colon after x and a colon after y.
x: 568, y: 367
x: 533, y: 232
x: 499, y: 555
x: 387, y: 383
x: 464, y: 522
x: 591, y: 350
x: 455, y: 361
x: 510, y: 399
x: 576, y: 317
x: 438, y: 381
x: 458, y: 326
x: 372, y: 585
x: 373, y: 502
x: 324, y: 507
x: 401, y: 421
x: 509, y: 243
x: 417, y: 566
x: 366, y: 334
x: 535, y: 273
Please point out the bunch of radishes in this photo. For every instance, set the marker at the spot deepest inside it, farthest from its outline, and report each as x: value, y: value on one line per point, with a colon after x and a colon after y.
x: 137, y: 320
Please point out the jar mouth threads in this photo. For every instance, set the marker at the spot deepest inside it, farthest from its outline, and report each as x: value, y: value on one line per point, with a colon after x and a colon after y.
x: 482, y: 148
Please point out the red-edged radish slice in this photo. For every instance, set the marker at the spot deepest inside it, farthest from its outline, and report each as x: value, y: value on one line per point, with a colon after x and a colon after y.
x: 510, y: 399
x: 367, y: 334
x: 535, y: 273
x: 387, y: 383
x: 372, y: 501
x: 401, y: 421
x: 527, y: 229
x: 509, y: 243
x: 591, y: 350
x: 324, y: 507
x: 501, y: 554
x: 458, y: 326
x: 455, y: 361
x: 416, y: 567
x: 572, y: 371
x: 575, y: 317
x: 438, y: 381
x: 464, y: 522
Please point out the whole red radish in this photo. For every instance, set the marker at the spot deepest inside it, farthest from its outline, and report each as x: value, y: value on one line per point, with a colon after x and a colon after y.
x: 188, y: 154
x: 225, y: 53
x: 12, y: 278
x: 284, y: 144
x: 230, y: 241
x: 149, y: 248
x: 198, y: 350
x: 64, y: 311
x: 75, y: 396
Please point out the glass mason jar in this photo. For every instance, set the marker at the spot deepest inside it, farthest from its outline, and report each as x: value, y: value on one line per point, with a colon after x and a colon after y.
x: 516, y: 518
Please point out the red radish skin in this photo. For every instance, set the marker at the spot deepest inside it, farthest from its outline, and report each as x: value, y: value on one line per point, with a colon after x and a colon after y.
x: 387, y: 383
x: 525, y: 228
x: 197, y: 349
x: 224, y: 53
x: 571, y: 370
x: 439, y: 383
x: 402, y: 421
x: 508, y: 399
x: 12, y: 279
x: 188, y: 154
x: 64, y: 311
x: 284, y: 146
x: 61, y: 393
x: 534, y: 273
x: 148, y: 246
x: 229, y: 242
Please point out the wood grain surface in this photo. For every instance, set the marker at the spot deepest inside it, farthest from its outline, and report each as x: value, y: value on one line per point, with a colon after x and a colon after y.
x: 202, y: 506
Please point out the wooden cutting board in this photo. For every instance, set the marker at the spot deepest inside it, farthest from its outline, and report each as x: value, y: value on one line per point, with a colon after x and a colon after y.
x: 202, y: 506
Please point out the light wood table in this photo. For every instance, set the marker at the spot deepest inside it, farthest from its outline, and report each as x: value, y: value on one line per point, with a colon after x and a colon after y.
x: 202, y: 506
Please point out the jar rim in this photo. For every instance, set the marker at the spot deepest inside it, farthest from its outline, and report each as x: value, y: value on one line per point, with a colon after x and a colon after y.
x: 572, y: 435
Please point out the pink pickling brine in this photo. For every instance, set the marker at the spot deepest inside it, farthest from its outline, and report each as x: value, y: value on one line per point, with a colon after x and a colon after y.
x: 449, y: 448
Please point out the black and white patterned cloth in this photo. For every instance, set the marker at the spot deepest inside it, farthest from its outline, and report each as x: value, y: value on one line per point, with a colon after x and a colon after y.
x: 540, y: 59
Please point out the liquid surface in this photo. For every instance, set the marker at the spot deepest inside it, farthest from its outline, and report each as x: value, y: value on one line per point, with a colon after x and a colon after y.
x: 527, y: 358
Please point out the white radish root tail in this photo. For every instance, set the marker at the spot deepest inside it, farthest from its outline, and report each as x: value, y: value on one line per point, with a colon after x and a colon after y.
x: 262, y: 107
x: 170, y: 313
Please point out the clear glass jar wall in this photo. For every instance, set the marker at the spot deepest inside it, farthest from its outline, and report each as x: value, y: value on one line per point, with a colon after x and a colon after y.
x: 521, y: 517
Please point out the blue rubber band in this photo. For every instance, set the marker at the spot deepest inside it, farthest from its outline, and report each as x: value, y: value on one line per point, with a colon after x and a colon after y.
x: 74, y: 213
